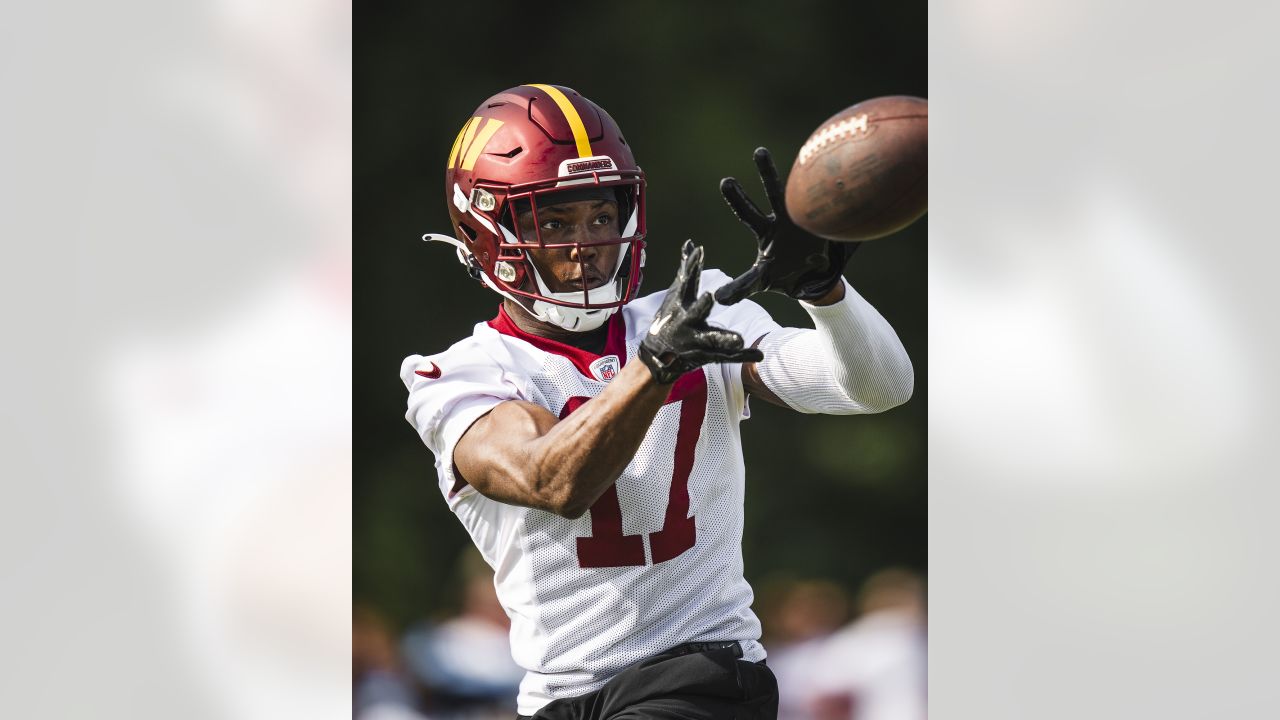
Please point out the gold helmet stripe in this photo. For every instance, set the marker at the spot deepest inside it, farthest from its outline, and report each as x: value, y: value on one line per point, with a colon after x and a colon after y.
x: 570, y: 114
x: 477, y: 145
x: 457, y: 142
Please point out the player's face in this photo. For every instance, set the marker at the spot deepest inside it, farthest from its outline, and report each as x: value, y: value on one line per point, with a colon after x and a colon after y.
x: 581, y: 221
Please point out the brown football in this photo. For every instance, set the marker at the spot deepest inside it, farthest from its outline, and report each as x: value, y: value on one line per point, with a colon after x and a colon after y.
x: 864, y: 173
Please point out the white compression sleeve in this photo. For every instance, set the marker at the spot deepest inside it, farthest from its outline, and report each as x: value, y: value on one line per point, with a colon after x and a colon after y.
x: 851, y: 363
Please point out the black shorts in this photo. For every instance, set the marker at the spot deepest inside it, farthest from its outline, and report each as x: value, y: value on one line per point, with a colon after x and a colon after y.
x: 699, y: 681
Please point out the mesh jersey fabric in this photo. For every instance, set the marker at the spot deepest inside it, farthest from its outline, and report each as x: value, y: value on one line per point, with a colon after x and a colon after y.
x: 575, y: 621
x: 853, y: 364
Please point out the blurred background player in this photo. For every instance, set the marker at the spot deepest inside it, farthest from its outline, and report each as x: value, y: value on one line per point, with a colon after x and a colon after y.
x: 799, y: 617
x: 588, y: 440
x: 381, y: 690
x: 873, y: 668
x: 464, y: 661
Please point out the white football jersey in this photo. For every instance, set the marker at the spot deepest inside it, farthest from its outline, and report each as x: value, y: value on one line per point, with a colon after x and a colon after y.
x: 657, y: 561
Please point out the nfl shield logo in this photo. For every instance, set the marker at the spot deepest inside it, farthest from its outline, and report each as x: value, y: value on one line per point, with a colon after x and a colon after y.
x: 605, y: 368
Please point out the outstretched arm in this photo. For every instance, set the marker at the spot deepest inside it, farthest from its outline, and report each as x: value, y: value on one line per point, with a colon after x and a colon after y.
x: 852, y: 362
x: 520, y: 453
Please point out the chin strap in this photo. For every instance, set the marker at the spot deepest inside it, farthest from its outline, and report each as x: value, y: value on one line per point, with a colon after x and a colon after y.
x: 470, y: 263
x: 464, y: 255
x: 568, y: 318
x: 573, y: 319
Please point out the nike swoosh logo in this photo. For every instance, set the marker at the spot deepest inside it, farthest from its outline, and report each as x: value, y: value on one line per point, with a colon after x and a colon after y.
x: 433, y: 373
x: 656, y: 328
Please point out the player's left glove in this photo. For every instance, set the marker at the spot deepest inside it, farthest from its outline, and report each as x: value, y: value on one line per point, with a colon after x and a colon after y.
x: 789, y: 260
x: 680, y: 340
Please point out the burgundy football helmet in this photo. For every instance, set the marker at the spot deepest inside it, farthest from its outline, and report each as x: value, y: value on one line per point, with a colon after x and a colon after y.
x: 531, y: 146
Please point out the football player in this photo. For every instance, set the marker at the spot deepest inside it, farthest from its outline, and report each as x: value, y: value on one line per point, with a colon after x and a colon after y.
x: 588, y: 438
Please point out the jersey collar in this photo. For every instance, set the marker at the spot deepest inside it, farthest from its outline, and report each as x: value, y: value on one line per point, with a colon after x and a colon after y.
x: 615, y: 341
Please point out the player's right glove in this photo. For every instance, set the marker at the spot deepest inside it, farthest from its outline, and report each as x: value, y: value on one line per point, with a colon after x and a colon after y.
x: 680, y: 340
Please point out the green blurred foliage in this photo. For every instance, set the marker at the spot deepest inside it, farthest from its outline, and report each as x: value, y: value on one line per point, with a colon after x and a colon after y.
x: 696, y: 87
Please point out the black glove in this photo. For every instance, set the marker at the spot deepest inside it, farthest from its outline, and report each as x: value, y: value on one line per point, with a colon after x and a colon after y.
x: 679, y: 340
x: 790, y: 261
